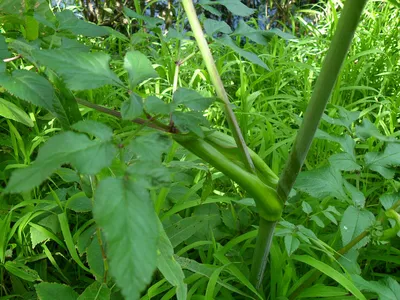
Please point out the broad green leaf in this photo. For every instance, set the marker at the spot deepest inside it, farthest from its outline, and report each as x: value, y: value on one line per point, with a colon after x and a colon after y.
x: 387, y: 200
x: 306, y: 207
x: 139, y: 67
x: 80, y: 71
x: 69, y: 22
x: 386, y: 289
x: 213, y: 26
x: 132, y: 108
x: 95, y: 259
x: 130, y: 227
x: 51, y: 291
x: 31, y: 87
x: 4, y: 53
x: 191, y: 99
x: 156, y: 106
x: 253, y: 34
x: 97, y: 129
x: 211, y: 9
x: 317, y: 221
x: 291, y: 244
x: 332, y: 273
x: 236, y: 7
x: 20, y: 270
x: 382, y: 162
x: 346, y: 118
x: 11, y: 111
x: 356, y: 195
x: 150, y: 22
x: 322, y: 291
x: 344, y: 162
x: 189, y: 121
x: 186, y: 228
x: 96, y: 291
x: 150, y: 147
x: 346, y: 142
x: 354, y: 222
x: 367, y: 130
x: 227, y: 41
x: 321, y: 183
x: 79, y: 203
x: 86, y: 155
x: 168, y: 266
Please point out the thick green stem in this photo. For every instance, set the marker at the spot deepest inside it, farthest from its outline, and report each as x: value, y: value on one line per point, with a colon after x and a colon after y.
x: 261, y: 252
x: 331, y: 66
x: 217, y: 82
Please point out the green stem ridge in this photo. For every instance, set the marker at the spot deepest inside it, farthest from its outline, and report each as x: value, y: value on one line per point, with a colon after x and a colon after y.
x: 217, y: 82
x: 331, y: 66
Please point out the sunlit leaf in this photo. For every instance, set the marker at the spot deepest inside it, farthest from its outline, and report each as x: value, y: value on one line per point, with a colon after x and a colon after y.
x: 69, y: 22
x: 367, y: 129
x: 213, y: 26
x: 191, y: 99
x: 139, y: 67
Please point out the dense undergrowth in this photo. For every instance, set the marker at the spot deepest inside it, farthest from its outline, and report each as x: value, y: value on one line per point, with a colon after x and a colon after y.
x: 208, y: 223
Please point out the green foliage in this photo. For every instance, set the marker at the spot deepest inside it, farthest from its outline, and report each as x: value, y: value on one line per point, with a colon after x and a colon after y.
x: 98, y: 201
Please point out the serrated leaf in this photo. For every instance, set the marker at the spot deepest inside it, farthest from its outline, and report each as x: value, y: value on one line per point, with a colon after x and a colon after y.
x: 367, y: 130
x: 69, y: 22
x: 96, y: 291
x: 387, y: 289
x: 382, y: 162
x: 132, y: 108
x: 130, y: 228
x: 51, y: 291
x: 344, y: 162
x: 150, y: 147
x: 87, y: 156
x: 346, y: 118
x: 22, y: 271
x: 139, y: 67
x: 356, y: 195
x: 291, y: 244
x: 354, y: 222
x: 4, y: 53
x: 99, y: 130
x: 213, y: 26
x: 80, y: 71
x: 227, y: 41
x: 79, y: 203
x: 168, y: 266
x: 11, y: 111
x: 321, y: 183
x: 155, y: 106
x: 191, y: 99
x: 189, y: 121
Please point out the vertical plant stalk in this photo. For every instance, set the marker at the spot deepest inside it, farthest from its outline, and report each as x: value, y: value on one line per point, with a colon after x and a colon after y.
x: 217, y: 82
x: 331, y: 66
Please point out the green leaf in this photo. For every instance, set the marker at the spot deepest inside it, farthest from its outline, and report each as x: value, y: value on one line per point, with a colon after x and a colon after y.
x: 51, y: 291
x: 382, y: 162
x: 255, y: 35
x: 132, y: 108
x: 31, y: 87
x: 356, y: 195
x: 87, y: 156
x: 150, y: 147
x: 168, y: 266
x: 185, y: 228
x: 321, y: 183
x: 213, y: 26
x: 156, y: 106
x: 4, y: 53
x: 4, y: 231
x: 227, y: 41
x: 317, y: 221
x: 20, y: 270
x: 346, y: 118
x: 139, y: 67
x: 130, y: 227
x: 69, y: 22
x: 96, y: 291
x: 236, y: 7
x: 79, y: 203
x: 322, y: 291
x: 306, y: 207
x: 80, y: 71
x: 11, y: 111
x: 191, y: 99
x: 99, y: 130
x: 344, y: 162
x: 151, y: 22
x: 189, y: 121
x: 386, y: 289
x: 95, y: 259
x: 367, y: 130
x: 332, y: 273
x: 354, y: 222
x: 291, y: 243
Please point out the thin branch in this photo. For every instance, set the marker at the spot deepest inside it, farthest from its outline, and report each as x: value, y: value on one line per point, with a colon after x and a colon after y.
x: 6, y: 60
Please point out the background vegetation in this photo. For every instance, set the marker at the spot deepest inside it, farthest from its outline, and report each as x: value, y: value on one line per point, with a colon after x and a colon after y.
x: 56, y: 243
